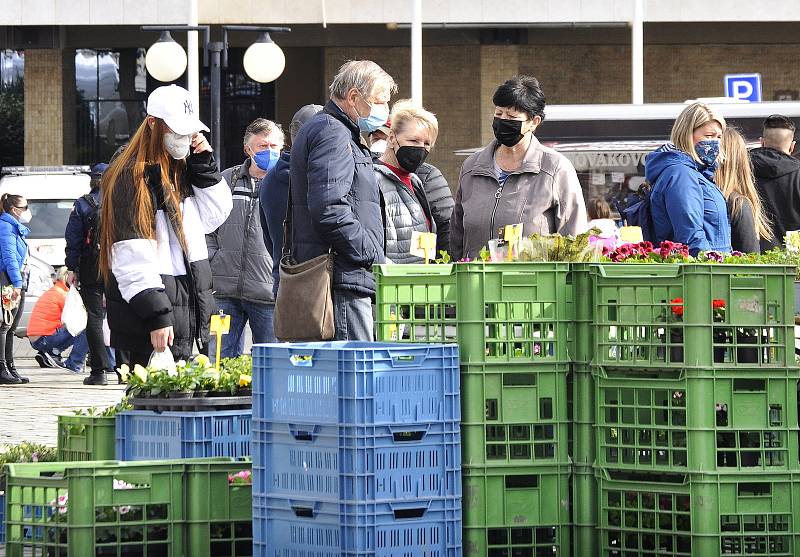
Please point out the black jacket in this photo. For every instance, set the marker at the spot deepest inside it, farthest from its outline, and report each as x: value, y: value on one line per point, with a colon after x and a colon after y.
x: 778, y: 183
x: 335, y: 200
x: 440, y: 198
x: 153, y: 283
x: 744, y: 237
x: 273, y: 196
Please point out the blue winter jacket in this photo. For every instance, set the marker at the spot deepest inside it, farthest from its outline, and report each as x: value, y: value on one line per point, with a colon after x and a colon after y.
x: 335, y: 200
x: 686, y: 205
x: 13, y: 247
x: 273, y: 197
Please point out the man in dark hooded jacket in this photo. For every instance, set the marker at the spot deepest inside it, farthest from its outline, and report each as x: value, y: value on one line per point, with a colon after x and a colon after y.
x: 778, y: 178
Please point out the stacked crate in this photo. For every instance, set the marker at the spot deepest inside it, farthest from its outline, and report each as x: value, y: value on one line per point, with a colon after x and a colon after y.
x: 696, y: 411
x: 356, y: 449
x: 511, y: 322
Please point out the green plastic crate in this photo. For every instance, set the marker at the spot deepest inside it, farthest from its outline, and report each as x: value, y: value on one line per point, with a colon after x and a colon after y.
x: 516, y: 511
x: 416, y: 303
x: 98, y: 517
x: 219, y: 516
x: 699, y: 515
x: 582, y: 416
x: 581, y: 346
x: 726, y: 422
x: 514, y: 415
x: 637, y: 322
x: 85, y: 438
x: 584, y: 510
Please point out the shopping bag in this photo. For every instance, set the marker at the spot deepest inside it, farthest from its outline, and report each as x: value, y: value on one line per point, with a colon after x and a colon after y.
x: 73, y: 316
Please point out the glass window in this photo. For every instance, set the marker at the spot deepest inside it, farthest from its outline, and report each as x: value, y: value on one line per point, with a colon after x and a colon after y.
x: 12, y: 111
x: 49, y: 217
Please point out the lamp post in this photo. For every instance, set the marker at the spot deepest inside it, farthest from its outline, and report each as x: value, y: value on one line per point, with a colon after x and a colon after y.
x: 263, y: 62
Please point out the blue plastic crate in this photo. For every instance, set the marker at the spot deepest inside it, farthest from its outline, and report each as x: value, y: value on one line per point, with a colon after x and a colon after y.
x: 289, y: 528
x: 357, y: 463
x: 329, y: 383
x: 147, y: 435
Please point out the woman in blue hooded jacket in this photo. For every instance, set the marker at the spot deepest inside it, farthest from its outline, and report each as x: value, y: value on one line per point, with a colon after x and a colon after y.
x: 686, y: 205
x: 13, y: 252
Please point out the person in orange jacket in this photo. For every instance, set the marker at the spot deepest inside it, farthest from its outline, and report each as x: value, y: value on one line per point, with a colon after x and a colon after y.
x: 48, y: 335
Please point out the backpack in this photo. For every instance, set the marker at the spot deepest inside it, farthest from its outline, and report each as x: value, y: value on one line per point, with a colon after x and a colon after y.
x: 90, y: 257
x: 638, y: 213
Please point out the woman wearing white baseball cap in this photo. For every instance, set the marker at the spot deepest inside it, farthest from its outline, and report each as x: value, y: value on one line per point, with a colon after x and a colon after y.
x: 161, y: 196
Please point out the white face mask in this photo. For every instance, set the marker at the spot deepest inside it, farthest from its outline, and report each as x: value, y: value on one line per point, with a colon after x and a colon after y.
x: 378, y: 146
x: 26, y: 216
x: 177, y: 145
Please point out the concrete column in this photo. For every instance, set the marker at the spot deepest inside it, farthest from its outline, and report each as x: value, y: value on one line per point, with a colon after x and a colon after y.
x: 49, y: 107
x: 498, y: 63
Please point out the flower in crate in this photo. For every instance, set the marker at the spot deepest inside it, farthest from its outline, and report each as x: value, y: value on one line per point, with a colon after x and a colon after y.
x: 245, y: 380
x: 244, y: 477
x: 202, y: 360
x: 180, y: 364
x: 676, y: 307
x: 59, y: 504
x: 718, y: 307
x: 140, y: 372
x: 714, y: 256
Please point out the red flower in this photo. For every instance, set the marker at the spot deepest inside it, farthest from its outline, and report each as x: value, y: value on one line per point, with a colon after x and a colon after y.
x: 718, y: 304
x: 677, y: 306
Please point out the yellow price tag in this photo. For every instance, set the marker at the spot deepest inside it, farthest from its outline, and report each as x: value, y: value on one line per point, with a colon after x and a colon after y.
x: 512, y: 234
x: 630, y: 235
x: 220, y: 324
x: 423, y: 244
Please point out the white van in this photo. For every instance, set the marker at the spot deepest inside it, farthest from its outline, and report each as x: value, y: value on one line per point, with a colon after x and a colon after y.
x: 51, y: 192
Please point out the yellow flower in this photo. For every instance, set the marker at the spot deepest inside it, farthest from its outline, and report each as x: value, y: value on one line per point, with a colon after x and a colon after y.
x: 124, y: 370
x: 140, y: 372
x: 202, y: 360
x: 245, y: 380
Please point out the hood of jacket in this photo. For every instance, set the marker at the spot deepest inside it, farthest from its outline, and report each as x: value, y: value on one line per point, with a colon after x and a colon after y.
x: 771, y: 163
x: 21, y: 228
x: 668, y: 155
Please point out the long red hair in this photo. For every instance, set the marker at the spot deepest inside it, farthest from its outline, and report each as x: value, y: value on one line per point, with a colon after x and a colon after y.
x: 145, y: 148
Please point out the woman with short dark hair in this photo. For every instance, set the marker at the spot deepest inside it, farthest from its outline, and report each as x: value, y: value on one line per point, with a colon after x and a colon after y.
x: 515, y: 179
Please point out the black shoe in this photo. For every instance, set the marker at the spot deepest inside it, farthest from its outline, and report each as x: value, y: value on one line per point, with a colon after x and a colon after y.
x: 39, y: 357
x: 53, y: 361
x: 119, y: 376
x: 12, y: 369
x: 6, y: 378
x: 96, y: 378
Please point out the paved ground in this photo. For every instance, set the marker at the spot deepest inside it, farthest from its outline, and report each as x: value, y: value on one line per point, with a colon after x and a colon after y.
x: 30, y: 412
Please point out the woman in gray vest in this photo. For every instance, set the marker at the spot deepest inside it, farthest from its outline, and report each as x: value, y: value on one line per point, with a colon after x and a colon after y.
x: 406, y: 208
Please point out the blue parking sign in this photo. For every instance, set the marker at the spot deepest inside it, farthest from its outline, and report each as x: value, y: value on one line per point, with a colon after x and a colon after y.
x: 743, y: 86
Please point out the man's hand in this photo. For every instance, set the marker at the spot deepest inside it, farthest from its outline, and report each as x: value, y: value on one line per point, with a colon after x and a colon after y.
x: 161, y: 338
x: 72, y: 279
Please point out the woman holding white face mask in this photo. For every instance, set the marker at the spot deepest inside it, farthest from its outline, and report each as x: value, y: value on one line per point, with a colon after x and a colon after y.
x: 161, y: 196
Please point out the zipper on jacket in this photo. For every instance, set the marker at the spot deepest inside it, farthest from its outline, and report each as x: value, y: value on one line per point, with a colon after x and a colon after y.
x: 497, y: 195
x: 247, y: 217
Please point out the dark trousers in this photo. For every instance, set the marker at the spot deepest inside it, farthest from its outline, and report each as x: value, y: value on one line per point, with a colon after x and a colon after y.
x: 132, y: 358
x: 92, y: 297
x: 7, y: 332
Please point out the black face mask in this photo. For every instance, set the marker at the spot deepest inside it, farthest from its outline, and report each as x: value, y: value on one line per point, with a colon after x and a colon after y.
x: 410, y: 157
x: 507, y: 132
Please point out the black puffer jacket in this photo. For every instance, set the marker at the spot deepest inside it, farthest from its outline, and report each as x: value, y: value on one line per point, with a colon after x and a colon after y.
x: 153, y: 283
x: 440, y: 198
x: 778, y: 183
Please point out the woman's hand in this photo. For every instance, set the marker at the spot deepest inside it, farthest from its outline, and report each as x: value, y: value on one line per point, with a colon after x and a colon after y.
x: 161, y: 338
x: 200, y: 143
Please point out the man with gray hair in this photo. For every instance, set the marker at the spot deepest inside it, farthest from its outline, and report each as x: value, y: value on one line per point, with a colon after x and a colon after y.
x: 241, y: 267
x: 336, y: 204
x: 777, y: 175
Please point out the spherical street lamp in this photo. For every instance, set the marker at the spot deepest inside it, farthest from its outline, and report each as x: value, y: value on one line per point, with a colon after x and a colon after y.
x: 165, y: 59
x: 264, y: 60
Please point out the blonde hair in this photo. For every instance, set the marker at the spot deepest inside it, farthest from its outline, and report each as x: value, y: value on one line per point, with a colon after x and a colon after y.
x: 691, y: 118
x: 406, y: 111
x: 61, y: 274
x: 734, y: 178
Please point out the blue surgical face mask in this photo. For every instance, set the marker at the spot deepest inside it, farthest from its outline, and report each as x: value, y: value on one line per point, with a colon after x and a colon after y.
x: 708, y: 151
x: 378, y: 115
x: 266, y: 159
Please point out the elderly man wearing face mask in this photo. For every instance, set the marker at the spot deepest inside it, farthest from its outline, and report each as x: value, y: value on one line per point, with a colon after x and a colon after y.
x: 515, y: 179
x: 241, y: 266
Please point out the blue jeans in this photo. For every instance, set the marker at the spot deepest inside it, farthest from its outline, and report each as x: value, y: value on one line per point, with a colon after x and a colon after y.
x: 242, y: 311
x: 61, y: 340
x: 352, y: 316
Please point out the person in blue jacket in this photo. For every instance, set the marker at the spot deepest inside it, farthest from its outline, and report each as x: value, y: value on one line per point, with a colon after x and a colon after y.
x: 686, y: 205
x: 13, y: 252
x: 336, y: 205
x: 273, y: 196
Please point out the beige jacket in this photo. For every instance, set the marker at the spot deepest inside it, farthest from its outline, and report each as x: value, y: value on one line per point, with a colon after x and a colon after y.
x: 544, y: 194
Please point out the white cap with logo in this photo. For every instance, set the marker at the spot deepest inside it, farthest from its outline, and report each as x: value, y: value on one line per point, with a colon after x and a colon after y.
x: 173, y: 104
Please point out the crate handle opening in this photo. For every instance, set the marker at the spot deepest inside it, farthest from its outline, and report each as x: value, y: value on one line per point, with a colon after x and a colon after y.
x: 303, y: 512
x: 522, y: 482
x: 754, y: 489
x: 750, y: 385
x: 301, y: 360
x: 302, y: 435
x: 418, y: 512
x: 401, y: 358
x: 408, y: 436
